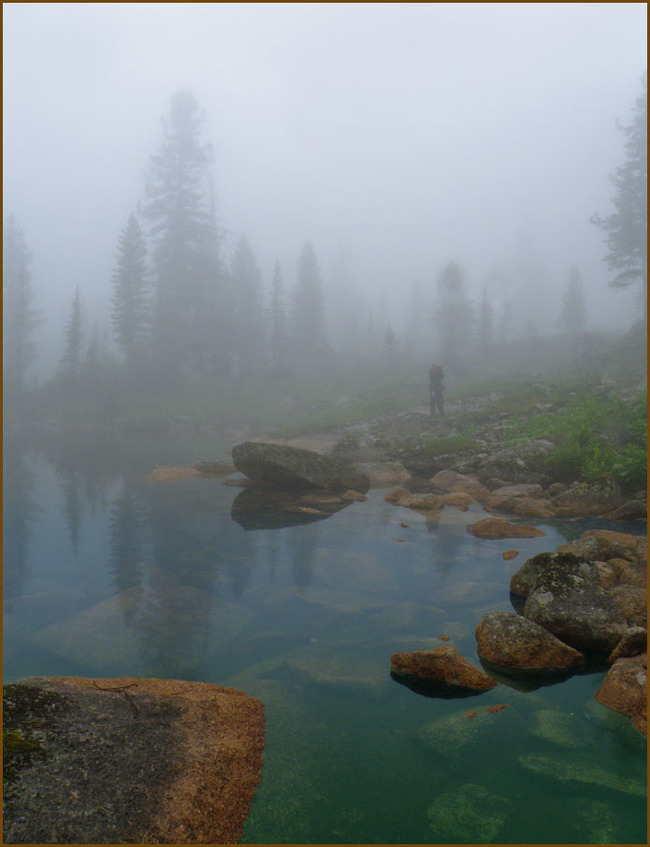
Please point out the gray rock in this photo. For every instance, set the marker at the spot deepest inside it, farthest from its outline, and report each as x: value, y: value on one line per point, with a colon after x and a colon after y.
x: 292, y: 467
x: 515, y: 464
x: 568, y: 600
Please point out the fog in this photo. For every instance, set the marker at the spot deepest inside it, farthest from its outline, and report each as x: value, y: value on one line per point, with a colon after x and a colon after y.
x: 400, y: 136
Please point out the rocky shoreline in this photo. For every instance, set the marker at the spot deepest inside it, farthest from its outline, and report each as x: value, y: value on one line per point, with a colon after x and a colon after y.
x: 586, y: 600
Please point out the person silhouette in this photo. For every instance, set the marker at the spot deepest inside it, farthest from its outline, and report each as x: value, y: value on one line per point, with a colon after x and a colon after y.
x: 436, y: 388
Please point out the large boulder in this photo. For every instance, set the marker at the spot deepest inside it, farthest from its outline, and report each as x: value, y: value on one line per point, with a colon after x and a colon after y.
x: 625, y: 689
x: 584, y: 498
x: 517, y: 464
x: 293, y: 467
x: 129, y: 761
x: 448, y: 480
x: 519, y: 647
x: 441, y: 672
x: 566, y: 598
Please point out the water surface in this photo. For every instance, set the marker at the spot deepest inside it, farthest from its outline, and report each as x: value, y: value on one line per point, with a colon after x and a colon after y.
x: 108, y: 573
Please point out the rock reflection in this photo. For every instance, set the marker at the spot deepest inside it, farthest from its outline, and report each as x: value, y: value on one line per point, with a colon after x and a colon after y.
x: 268, y: 508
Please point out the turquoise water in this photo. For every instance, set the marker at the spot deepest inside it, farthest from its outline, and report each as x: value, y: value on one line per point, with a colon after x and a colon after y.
x: 109, y: 573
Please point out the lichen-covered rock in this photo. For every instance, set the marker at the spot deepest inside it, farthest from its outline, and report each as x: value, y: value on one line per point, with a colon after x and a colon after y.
x: 442, y: 671
x: 633, y: 643
x: 524, y: 580
x: 633, y: 602
x: 625, y: 689
x: 499, y: 528
x: 517, y: 464
x: 520, y: 647
x: 567, y: 599
x: 293, y: 467
x: 612, y: 544
x: 583, y: 498
x: 134, y: 761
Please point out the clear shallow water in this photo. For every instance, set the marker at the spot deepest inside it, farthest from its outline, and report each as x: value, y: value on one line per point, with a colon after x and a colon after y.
x: 108, y: 573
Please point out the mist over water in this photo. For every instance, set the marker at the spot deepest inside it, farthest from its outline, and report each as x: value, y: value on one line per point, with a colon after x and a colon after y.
x: 395, y: 137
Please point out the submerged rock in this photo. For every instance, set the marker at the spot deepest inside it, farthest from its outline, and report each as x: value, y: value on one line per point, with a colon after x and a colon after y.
x: 558, y: 728
x: 133, y: 760
x: 469, y: 815
x: 582, y: 770
x: 293, y: 467
x: 441, y: 672
x: 469, y: 733
x: 520, y: 647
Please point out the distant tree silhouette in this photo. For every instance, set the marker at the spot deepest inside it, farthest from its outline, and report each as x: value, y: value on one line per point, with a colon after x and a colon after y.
x: 626, y: 228
x: 277, y: 325
x: 20, y: 319
x: 245, y: 281
x: 131, y: 308
x: 452, y: 317
x: 70, y: 366
x: 180, y: 210
x: 485, y: 327
x: 310, y: 347
x: 573, y: 316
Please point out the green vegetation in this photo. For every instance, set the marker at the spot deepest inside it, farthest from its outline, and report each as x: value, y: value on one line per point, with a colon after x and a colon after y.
x: 598, y: 438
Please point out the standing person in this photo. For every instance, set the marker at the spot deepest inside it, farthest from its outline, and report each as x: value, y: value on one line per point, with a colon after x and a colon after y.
x: 436, y: 388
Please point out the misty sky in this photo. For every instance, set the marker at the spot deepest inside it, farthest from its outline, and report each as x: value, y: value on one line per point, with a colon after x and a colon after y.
x: 413, y: 134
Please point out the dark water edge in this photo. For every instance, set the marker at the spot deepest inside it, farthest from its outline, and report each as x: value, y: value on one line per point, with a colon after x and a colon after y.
x: 108, y: 573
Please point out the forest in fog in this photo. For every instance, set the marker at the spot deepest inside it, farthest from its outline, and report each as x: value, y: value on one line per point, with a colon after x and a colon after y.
x: 186, y: 305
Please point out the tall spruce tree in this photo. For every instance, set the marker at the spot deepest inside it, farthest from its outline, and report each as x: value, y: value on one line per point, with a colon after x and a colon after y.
x: 246, y: 287
x: 573, y: 315
x: 70, y: 366
x: 310, y: 347
x: 277, y: 325
x: 131, y: 308
x: 485, y: 327
x: 180, y: 210
x: 626, y: 228
x: 453, y: 317
x: 20, y: 319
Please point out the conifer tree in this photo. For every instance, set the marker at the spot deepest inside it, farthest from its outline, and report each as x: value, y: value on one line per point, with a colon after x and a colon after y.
x: 70, y: 367
x: 131, y: 307
x: 277, y: 322
x: 485, y: 327
x: 626, y: 228
x: 452, y: 316
x: 573, y: 316
x: 180, y: 210
x: 310, y: 347
x: 245, y: 283
x: 20, y: 319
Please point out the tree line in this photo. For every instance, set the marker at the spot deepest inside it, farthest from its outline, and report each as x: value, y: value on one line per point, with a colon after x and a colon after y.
x: 182, y: 312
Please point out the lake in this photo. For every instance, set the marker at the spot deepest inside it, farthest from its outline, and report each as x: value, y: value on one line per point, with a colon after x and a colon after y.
x: 110, y: 573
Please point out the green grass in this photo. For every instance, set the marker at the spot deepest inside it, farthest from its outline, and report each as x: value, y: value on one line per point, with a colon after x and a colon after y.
x: 598, y: 438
